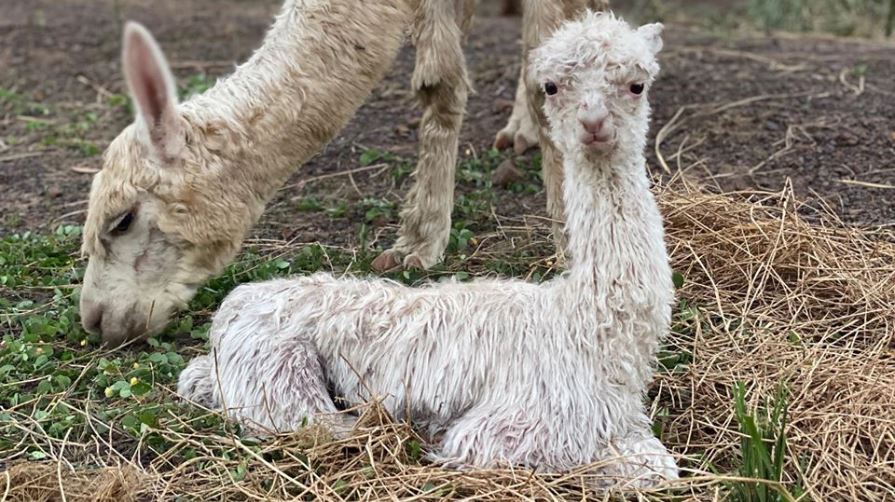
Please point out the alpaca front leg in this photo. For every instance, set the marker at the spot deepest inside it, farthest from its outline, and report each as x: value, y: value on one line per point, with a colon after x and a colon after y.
x: 441, y: 85
x: 637, y: 462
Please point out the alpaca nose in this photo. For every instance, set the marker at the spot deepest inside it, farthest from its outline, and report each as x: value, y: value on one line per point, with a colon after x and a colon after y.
x: 592, y: 119
x: 92, y: 318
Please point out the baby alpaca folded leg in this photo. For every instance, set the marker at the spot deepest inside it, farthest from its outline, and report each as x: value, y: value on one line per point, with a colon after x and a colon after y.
x: 279, y: 392
x: 638, y: 461
x: 481, y: 439
x: 265, y: 378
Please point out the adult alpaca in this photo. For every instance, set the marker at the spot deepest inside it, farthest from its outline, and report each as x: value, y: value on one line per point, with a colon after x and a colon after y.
x: 549, y: 376
x: 181, y: 187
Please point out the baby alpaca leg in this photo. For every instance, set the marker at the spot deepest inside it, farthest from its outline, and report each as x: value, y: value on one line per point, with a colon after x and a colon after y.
x: 266, y: 377
x: 639, y: 461
x: 485, y: 438
x: 441, y: 85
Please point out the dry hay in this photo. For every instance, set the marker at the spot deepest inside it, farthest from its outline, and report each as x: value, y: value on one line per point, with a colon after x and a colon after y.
x: 782, y: 300
x: 770, y: 298
x: 33, y: 482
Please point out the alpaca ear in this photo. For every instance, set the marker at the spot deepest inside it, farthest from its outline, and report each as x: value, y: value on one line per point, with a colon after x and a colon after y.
x: 652, y: 33
x: 151, y: 86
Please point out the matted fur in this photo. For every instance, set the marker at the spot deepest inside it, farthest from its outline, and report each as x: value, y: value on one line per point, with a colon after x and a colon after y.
x: 549, y: 376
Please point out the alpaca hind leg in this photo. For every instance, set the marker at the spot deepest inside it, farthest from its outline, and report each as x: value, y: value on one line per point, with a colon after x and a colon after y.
x: 521, y: 132
x: 484, y: 438
x: 551, y: 168
x: 442, y: 87
x: 276, y: 385
x: 263, y: 377
x: 540, y: 19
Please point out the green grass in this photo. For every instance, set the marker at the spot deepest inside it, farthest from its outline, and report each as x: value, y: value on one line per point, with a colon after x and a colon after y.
x: 840, y: 17
x: 763, y: 449
x: 196, y: 84
x: 48, y: 127
x: 55, y: 380
x: 72, y: 134
x: 16, y: 103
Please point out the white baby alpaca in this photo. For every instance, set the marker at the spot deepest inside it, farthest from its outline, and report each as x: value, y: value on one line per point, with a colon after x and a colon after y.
x: 548, y: 376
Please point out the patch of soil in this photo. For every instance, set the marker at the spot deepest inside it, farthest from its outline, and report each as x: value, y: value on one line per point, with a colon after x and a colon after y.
x: 748, y: 112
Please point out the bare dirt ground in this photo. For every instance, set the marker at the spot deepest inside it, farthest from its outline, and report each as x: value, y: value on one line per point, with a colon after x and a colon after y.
x: 749, y: 111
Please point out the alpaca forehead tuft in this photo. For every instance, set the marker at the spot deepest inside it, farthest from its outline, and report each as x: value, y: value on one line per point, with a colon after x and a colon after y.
x: 595, y: 40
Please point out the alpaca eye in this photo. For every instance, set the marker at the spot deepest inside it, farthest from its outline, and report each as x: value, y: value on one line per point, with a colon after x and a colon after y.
x: 550, y: 88
x: 637, y: 89
x: 123, y: 224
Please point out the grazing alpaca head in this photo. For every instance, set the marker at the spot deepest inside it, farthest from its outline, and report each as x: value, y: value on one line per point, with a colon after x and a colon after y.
x: 181, y: 186
x: 146, y: 221
x: 595, y: 73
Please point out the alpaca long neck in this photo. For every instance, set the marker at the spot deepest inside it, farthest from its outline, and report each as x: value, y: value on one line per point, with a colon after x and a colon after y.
x: 319, y: 62
x: 614, y: 228
x: 617, y: 295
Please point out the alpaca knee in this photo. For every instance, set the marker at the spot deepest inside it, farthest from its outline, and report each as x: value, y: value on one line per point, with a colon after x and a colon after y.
x: 438, y: 38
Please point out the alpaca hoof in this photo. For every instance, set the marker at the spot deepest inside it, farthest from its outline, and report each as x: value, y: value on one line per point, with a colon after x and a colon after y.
x: 503, y: 140
x: 386, y: 262
x: 414, y: 262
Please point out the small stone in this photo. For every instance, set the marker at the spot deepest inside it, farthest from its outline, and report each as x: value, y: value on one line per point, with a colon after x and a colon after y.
x: 506, y: 173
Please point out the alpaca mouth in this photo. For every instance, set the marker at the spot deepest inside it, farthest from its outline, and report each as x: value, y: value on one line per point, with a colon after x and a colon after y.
x: 597, y: 142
